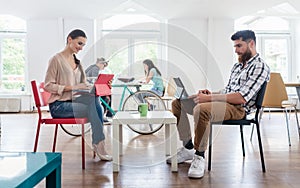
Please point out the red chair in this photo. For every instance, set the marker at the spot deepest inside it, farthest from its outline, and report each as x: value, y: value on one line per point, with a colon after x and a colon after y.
x: 40, y: 98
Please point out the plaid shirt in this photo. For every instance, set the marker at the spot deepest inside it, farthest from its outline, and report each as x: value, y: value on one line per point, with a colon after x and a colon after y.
x: 248, y: 80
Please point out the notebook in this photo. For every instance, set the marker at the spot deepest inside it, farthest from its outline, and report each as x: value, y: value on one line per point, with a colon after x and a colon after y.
x: 101, y: 86
x: 183, y: 96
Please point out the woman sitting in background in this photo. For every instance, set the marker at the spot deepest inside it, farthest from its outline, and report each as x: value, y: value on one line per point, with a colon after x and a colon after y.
x: 152, y: 73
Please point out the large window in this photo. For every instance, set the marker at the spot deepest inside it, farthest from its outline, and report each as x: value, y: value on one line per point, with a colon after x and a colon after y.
x: 126, y: 54
x: 275, y: 50
x: 130, y: 39
x: 12, y: 54
x: 273, y: 41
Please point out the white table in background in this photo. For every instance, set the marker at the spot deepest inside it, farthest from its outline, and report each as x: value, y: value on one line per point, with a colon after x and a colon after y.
x: 296, y: 85
x: 153, y: 117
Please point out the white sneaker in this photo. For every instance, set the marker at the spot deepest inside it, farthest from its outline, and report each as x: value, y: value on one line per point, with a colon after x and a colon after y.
x: 183, y: 154
x: 106, y: 121
x: 197, y: 167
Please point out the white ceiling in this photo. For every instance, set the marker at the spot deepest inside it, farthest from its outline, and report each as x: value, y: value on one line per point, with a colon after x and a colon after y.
x: 35, y: 9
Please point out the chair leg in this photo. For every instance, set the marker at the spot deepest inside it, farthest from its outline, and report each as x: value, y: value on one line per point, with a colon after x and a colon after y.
x: 37, y: 136
x: 242, y: 139
x: 210, y: 148
x: 287, y: 126
x: 55, y: 137
x: 260, y: 116
x: 260, y: 149
x: 297, y: 121
x: 82, y: 147
x: 261, y: 113
x: 251, y: 133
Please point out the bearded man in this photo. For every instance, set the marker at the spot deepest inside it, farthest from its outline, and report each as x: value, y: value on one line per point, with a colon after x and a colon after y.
x: 237, y: 100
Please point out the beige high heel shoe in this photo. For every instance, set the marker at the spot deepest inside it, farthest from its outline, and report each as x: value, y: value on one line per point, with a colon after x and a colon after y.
x: 103, y: 157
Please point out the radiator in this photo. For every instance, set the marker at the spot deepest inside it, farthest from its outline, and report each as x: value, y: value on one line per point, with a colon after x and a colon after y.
x: 10, y: 104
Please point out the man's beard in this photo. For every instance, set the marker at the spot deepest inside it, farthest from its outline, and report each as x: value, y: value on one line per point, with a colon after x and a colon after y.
x: 245, y: 57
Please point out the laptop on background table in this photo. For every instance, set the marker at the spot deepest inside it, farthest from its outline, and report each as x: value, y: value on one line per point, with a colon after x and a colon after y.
x: 182, y: 95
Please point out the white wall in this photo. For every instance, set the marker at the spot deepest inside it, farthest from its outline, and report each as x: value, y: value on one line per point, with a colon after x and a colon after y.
x: 295, y: 71
x: 200, y: 51
x: 221, y: 48
x: 47, y: 37
x: 43, y: 41
x: 295, y: 29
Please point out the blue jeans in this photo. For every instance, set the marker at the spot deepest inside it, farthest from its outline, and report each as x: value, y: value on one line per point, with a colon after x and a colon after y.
x: 83, y: 106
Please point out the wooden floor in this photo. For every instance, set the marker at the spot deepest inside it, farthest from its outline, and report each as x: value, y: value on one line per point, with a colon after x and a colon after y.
x: 143, y: 162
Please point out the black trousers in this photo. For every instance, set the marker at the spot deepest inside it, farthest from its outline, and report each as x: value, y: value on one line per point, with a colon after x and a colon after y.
x: 107, y: 99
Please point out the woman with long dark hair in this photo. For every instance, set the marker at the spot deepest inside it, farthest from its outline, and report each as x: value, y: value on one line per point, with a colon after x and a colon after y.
x: 152, y: 73
x: 65, y: 74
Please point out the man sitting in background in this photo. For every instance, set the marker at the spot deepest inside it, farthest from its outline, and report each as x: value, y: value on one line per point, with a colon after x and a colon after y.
x: 93, y: 71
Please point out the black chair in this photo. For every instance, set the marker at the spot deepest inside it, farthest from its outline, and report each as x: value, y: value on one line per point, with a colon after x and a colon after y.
x: 241, y: 123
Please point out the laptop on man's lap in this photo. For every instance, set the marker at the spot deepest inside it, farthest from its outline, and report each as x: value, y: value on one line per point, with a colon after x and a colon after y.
x: 182, y: 95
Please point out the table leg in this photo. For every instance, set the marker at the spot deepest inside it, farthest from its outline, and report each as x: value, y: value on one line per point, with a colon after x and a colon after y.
x: 0, y: 130
x: 173, y: 139
x: 116, y: 157
x: 298, y: 92
x: 53, y: 180
x: 82, y: 147
x: 167, y: 139
x: 120, y: 139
